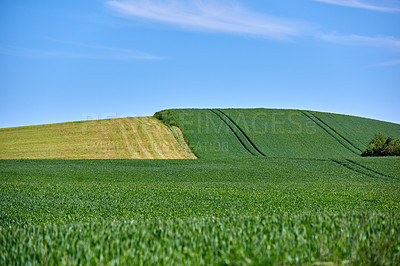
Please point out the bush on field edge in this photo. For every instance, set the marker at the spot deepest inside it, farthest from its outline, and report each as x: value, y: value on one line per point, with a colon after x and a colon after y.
x: 166, y: 117
x: 381, y: 145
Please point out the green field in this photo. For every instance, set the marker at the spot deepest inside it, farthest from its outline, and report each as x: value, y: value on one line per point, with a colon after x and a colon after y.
x: 269, y: 187
x: 236, y: 210
x: 221, y: 133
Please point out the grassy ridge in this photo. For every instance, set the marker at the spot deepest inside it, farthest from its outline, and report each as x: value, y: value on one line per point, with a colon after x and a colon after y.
x: 223, y: 210
x: 136, y: 137
x: 277, y: 133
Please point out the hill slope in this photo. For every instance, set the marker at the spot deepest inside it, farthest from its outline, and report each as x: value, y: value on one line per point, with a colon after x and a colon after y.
x: 220, y: 133
x: 135, y: 138
x: 211, y: 133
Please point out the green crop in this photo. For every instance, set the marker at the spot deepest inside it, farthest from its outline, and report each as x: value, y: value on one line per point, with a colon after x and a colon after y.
x: 270, y: 187
x: 357, y: 130
x: 221, y: 133
x: 255, y: 210
x: 308, y: 238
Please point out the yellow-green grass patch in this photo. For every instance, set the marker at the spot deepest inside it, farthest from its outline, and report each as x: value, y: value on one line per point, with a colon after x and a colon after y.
x: 120, y: 138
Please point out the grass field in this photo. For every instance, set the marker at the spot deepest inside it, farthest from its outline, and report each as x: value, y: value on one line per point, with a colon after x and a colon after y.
x: 359, y: 131
x: 270, y: 187
x: 221, y: 133
x: 253, y: 210
x: 121, y: 138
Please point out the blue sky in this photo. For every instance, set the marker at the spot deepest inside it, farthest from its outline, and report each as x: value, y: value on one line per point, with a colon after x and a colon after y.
x: 73, y: 60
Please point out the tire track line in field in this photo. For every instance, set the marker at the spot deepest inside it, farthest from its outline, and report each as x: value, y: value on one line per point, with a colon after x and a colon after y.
x: 139, y: 140
x: 352, y: 166
x: 330, y: 133
x: 243, y: 133
x: 127, y: 142
x: 106, y: 128
x: 369, y: 169
x: 331, y: 128
x: 233, y: 131
x: 153, y: 142
x: 165, y: 148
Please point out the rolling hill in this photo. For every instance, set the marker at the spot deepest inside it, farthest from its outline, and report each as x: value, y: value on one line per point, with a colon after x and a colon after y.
x: 221, y: 133
x: 270, y: 187
x: 210, y: 133
x: 127, y: 138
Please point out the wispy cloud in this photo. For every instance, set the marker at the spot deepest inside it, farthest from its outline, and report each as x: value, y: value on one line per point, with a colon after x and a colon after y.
x: 363, y: 4
x: 230, y: 17
x: 209, y: 15
x: 386, y: 42
x: 88, y: 51
x: 388, y: 63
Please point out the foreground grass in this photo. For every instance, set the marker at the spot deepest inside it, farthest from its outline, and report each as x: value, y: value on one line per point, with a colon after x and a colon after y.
x: 351, y: 238
x: 199, y: 211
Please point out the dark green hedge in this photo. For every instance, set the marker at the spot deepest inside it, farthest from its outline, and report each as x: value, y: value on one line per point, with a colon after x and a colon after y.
x: 381, y: 145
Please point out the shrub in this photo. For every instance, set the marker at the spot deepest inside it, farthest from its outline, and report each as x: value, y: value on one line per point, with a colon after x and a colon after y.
x: 381, y: 145
x: 166, y: 117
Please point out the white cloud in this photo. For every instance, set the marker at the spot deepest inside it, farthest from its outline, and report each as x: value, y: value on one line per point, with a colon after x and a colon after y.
x: 390, y: 43
x: 388, y: 63
x: 363, y: 5
x: 89, y: 52
x: 209, y: 15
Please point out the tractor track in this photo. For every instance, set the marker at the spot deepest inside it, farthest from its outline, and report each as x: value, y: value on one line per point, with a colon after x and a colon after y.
x: 244, y: 134
x: 364, y: 170
x: 233, y: 131
x: 369, y: 169
x: 332, y: 134
x: 331, y: 128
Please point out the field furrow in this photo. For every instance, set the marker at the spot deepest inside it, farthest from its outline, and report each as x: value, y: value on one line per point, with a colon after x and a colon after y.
x: 149, y: 134
x: 237, y: 133
x: 242, y: 133
x: 331, y: 132
x: 360, y: 169
x: 128, y: 145
x: 369, y: 169
x: 336, y: 133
